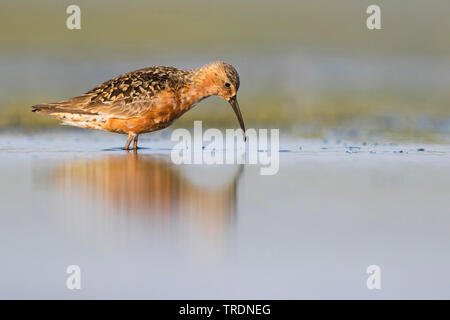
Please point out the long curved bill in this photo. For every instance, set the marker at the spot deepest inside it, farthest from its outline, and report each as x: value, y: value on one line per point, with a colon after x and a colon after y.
x: 235, y: 105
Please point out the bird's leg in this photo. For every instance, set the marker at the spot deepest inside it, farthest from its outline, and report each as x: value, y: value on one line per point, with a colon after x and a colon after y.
x: 130, y: 137
x: 135, y: 142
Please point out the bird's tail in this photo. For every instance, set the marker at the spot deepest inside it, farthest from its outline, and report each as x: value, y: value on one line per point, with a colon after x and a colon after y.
x: 74, y: 105
x: 51, y: 109
x: 71, y: 113
x: 47, y: 108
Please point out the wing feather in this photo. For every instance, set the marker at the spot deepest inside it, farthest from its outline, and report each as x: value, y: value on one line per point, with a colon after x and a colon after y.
x: 128, y: 95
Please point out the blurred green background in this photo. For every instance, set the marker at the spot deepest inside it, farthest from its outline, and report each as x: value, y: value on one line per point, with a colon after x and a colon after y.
x: 309, y: 67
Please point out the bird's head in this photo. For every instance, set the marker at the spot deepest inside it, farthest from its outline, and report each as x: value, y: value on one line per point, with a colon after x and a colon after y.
x: 223, y: 80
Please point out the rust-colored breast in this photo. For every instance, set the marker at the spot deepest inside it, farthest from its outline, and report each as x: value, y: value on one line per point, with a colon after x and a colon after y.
x: 165, y: 109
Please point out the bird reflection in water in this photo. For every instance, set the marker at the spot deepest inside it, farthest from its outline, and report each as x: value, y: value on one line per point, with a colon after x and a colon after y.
x: 150, y: 187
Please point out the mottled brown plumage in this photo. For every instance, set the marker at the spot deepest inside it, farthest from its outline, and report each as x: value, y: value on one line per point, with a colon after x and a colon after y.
x: 146, y: 100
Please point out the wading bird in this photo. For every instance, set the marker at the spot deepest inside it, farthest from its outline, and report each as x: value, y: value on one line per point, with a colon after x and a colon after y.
x: 146, y: 100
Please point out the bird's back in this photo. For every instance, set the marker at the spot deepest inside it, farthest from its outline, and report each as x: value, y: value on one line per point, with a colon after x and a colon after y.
x: 126, y: 95
x: 139, y: 84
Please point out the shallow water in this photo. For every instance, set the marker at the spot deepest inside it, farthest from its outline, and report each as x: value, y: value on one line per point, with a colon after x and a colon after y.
x: 141, y: 227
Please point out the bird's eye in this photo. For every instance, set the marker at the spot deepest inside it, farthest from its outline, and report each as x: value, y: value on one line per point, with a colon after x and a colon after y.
x: 227, y: 85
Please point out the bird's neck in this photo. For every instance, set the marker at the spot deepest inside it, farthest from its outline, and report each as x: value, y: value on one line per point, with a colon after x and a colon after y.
x: 200, y: 85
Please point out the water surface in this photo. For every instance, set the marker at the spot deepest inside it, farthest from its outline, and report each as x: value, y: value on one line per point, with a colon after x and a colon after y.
x: 141, y: 227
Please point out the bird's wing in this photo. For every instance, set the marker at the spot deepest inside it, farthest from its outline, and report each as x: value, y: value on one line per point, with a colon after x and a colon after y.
x: 128, y: 95
x: 134, y: 93
x: 121, y: 108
